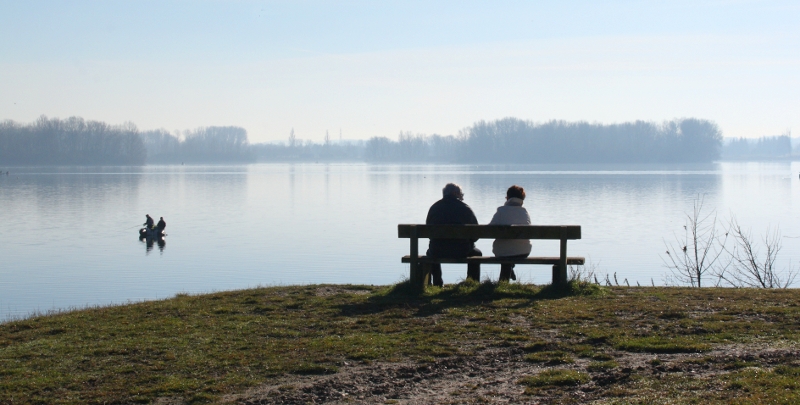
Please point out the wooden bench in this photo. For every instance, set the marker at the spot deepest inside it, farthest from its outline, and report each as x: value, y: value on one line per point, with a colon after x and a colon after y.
x: 420, y: 265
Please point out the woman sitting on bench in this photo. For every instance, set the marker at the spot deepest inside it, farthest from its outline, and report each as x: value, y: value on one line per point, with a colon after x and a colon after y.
x: 511, y: 213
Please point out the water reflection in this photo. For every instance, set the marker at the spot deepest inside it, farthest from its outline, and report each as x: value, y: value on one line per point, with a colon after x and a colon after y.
x: 68, y: 198
x: 150, y: 242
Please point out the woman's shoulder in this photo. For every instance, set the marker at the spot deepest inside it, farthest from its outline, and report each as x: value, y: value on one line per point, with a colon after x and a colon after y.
x: 512, y: 208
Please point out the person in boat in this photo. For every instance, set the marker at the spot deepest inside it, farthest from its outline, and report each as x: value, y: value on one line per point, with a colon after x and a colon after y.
x: 451, y: 210
x: 511, y: 213
x: 149, y: 222
x: 161, y: 224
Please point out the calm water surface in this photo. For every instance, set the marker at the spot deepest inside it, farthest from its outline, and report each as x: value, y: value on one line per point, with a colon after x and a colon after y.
x: 69, y: 235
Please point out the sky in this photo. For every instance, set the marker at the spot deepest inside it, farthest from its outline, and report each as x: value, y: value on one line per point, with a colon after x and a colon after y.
x: 376, y: 68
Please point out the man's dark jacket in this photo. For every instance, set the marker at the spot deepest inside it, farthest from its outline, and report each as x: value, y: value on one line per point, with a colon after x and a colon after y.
x: 450, y: 211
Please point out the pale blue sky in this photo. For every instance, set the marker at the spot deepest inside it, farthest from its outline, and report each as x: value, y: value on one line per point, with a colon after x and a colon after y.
x: 377, y: 68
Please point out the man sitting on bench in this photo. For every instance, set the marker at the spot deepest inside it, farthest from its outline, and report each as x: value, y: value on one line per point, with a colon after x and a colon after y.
x: 450, y: 210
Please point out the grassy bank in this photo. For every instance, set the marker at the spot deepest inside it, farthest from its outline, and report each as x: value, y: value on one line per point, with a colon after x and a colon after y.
x: 609, y: 345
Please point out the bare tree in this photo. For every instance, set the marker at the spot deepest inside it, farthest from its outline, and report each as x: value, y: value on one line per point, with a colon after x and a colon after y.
x: 750, y: 268
x: 698, y: 252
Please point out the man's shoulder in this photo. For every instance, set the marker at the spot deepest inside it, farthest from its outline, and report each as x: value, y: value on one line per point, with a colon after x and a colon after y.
x: 438, y: 205
x: 439, y: 202
x: 450, y: 211
x: 463, y: 205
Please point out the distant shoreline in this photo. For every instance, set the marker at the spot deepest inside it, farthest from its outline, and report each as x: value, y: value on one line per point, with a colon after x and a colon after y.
x: 321, y: 161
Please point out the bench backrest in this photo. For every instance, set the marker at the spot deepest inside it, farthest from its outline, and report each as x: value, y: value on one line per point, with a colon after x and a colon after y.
x: 488, y: 231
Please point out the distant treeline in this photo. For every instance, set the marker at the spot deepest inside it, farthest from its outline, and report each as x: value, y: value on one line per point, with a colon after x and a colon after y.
x: 202, y: 145
x: 299, y: 150
x: 72, y: 141
x: 767, y: 147
x: 75, y: 141
x: 517, y: 141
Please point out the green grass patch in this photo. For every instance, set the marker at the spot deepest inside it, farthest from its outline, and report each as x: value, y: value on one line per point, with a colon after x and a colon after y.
x: 599, y: 366
x: 656, y: 344
x: 737, y: 364
x: 601, y: 356
x: 539, y: 346
x: 553, y: 357
x: 699, y: 360
x: 757, y: 385
x: 310, y: 369
x: 555, y: 378
x: 671, y: 314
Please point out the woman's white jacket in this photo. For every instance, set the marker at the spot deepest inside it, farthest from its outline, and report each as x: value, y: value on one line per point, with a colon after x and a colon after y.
x: 512, y: 213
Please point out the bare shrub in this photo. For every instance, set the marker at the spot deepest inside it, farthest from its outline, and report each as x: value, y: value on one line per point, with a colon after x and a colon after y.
x: 586, y: 273
x: 697, y: 254
x: 750, y: 267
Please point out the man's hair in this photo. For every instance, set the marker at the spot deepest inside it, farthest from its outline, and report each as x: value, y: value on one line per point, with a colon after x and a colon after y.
x: 452, y: 189
x: 516, y: 191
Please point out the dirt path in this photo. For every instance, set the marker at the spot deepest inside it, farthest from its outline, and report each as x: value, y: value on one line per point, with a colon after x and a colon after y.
x: 492, y: 377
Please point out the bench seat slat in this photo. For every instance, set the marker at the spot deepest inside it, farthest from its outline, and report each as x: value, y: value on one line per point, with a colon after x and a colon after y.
x: 489, y: 231
x: 492, y: 259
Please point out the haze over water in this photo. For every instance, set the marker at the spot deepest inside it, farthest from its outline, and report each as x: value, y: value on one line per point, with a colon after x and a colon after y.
x: 69, y: 234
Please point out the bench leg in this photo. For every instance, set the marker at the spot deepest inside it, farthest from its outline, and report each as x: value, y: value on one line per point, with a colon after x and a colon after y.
x: 416, y: 278
x: 474, y: 271
x: 561, y: 267
x: 419, y: 276
x: 559, y: 275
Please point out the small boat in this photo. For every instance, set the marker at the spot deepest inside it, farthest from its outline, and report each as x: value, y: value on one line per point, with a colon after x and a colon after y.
x: 152, y: 233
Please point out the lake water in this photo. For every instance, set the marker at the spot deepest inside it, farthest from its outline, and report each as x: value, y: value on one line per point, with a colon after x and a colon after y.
x: 69, y: 235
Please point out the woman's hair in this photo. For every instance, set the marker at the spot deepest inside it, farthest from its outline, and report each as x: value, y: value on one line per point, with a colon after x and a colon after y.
x: 515, y: 191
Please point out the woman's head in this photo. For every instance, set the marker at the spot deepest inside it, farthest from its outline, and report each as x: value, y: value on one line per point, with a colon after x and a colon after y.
x: 515, y: 191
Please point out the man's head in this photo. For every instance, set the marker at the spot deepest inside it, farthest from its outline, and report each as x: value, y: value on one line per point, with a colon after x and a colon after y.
x: 453, y: 189
x: 515, y: 191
